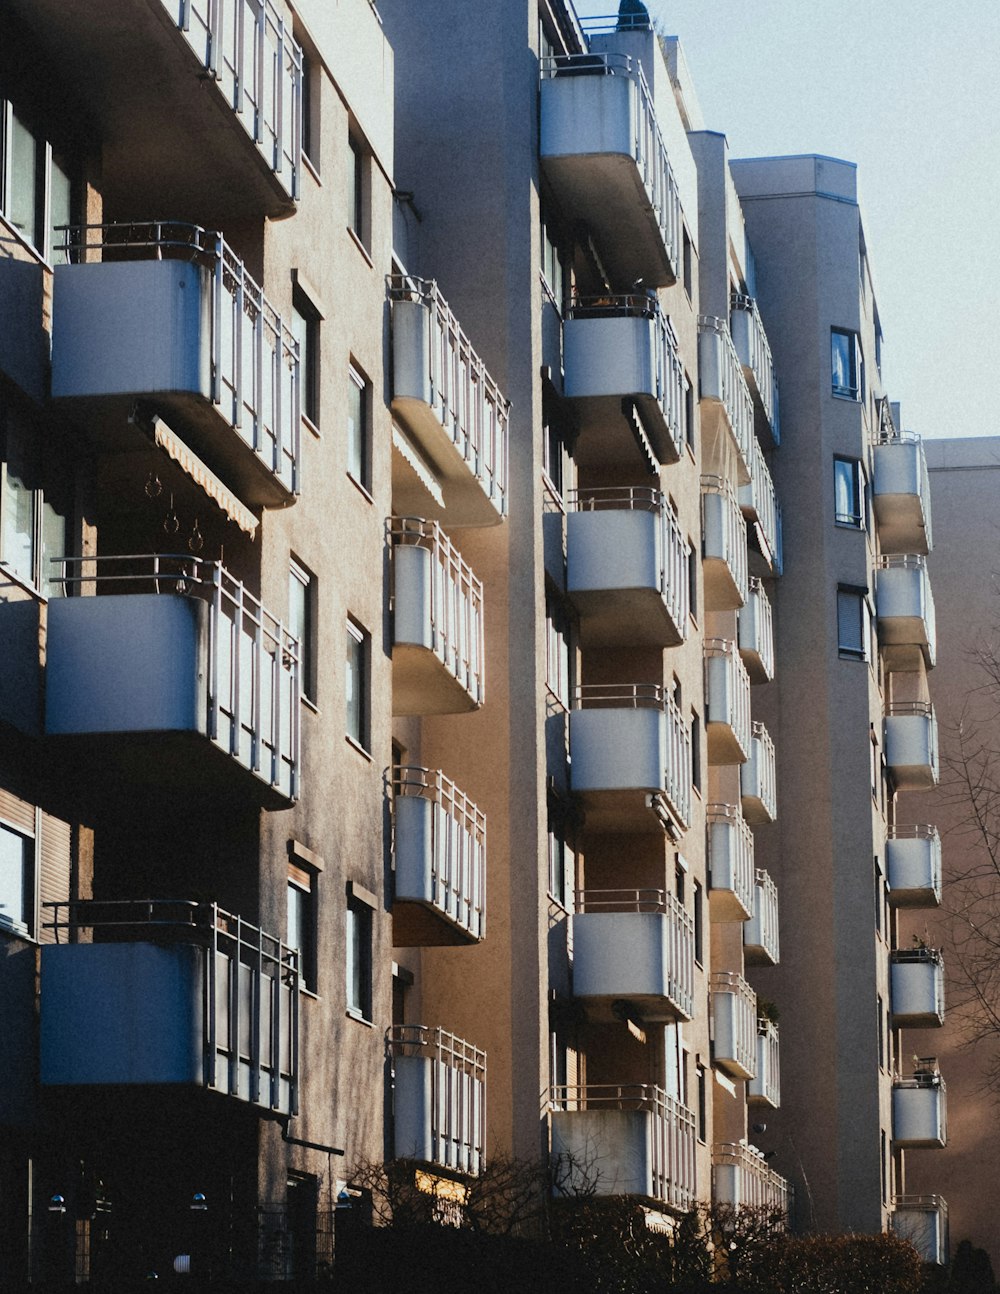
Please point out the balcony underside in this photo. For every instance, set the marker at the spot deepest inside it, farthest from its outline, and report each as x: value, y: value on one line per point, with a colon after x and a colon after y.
x: 422, y: 684
x: 607, y: 434
x: 636, y: 617
x: 417, y: 924
x: 901, y: 523
x: 722, y: 590
x: 627, y: 811
x: 430, y: 478
x: 723, y: 454
x: 724, y: 745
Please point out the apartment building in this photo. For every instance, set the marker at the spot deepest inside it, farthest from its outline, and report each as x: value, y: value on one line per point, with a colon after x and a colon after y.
x: 391, y: 568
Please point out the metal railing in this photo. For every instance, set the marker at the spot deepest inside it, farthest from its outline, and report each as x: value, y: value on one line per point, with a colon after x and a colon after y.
x: 733, y: 392
x: 756, y: 625
x: 671, y: 1142
x: 760, y: 499
x: 249, y: 51
x: 254, y: 357
x: 766, y: 1086
x: 759, y: 775
x: 760, y: 1187
x: 252, y: 663
x: 730, y: 992
x: 456, y: 603
x: 730, y: 853
x: 458, y: 844
x: 921, y: 709
x: 926, y: 1073
x: 761, y: 931
x: 457, y: 1092
x: 724, y: 531
x: 727, y: 690
x: 249, y: 1001
x: 473, y: 411
x: 756, y: 355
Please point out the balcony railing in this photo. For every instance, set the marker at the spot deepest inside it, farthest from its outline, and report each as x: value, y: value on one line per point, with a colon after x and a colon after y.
x: 438, y: 651
x: 923, y: 1221
x: 756, y: 633
x: 765, y: 1086
x: 754, y: 352
x: 174, y: 644
x: 722, y: 384
x: 439, y: 1098
x: 901, y: 494
x: 911, y: 745
x: 624, y: 348
x: 743, y: 1179
x: 724, y: 546
x: 449, y: 404
x: 905, y: 605
x: 169, y: 992
x: 623, y: 1140
x: 734, y: 1016
x: 605, y: 157
x: 170, y: 314
x: 760, y: 934
x: 627, y: 567
x: 727, y: 699
x: 730, y: 864
x: 635, y: 946
x: 758, y: 779
x: 916, y: 980
x: 759, y: 504
x: 439, y: 848
x: 913, y: 866
x: 919, y: 1107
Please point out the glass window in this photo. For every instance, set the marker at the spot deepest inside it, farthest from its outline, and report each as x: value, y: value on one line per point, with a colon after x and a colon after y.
x: 552, y: 269
x: 60, y: 211
x: 301, y: 931
x: 355, y: 187
x: 359, y: 959
x: 17, y: 889
x: 17, y: 522
x: 301, y: 603
x: 699, y: 924
x: 853, y: 616
x: 557, y: 654
x: 846, y: 364
x: 561, y: 869
x: 26, y: 155
x: 305, y: 329
x: 357, y: 682
x: 357, y: 426
x: 849, y: 492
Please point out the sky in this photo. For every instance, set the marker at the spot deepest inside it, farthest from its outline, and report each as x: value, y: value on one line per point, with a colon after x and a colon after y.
x: 910, y: 91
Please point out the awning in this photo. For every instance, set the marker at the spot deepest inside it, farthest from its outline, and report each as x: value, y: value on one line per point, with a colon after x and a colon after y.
x: 198, y: 472
x: 411, y: 456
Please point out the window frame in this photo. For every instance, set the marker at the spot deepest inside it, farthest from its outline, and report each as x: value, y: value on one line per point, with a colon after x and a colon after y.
x: 356, y: 206
x: 25, y: 926
x: 359, y: 439
x: 306, y: 322
x: 858, y: 596
x: 359, y: 654
x: 857, y: 488
x: 302, y: 881
x: 854, y: 388
x: 359, y: 960
x: 299, y: 574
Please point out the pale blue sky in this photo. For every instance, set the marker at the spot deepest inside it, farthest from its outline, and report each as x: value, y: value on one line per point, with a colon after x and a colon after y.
x: 910, y: 91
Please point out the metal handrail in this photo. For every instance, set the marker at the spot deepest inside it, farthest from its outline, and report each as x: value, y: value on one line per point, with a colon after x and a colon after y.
x: 627, y: 900
x: 902, y: 561
x: 630, y: 696
x: 923, y: 709
x: 405, y: 1039
x: 617, y: 498
x: 917, y: 955
x: 916, y: 831
x: 629, y: 305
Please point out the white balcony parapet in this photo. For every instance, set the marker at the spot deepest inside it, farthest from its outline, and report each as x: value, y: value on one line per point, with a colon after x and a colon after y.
x: 624, y: 347
x: 623, y: 1140
x: 734, y: 1018
x: 724, y: 546
x: 765, y: 1086
x: 760, y: 934
x: 756, y: 633
x: 627, y: 567
x: 754, y: 352
x: 722, y: 383
x: 438, y: 652
x: 730, y: 864
x: 911, y: 745
x: 916, y: 981
x: 919, y: 1107
x: 174, y: 644
x: 439, y: 1098
x: 923, y: 1221
x: 169, y: 992
x: 743, y: 1179
x: 901, y: 494
x: 904, y: 605
x: 758, y: 780
x: 759, y: 504
x: 449, y: 403
x: 605, y: 157
x: 170, y: 315
x: 635, y: 946
x: 439, y: 849
x: 727, y: 703
x: 913, y: 866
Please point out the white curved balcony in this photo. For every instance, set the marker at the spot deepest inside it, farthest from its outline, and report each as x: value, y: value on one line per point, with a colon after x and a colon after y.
x: 723, y: 545
x: 913, y: 866
x: 759, y: 504
x: 760, y: 934
x: 727, y: 406
x: 911, y: 745
x: 452, y: 409
x: 742, y: 1178
x: 734, y: 1020
x: 754, y: 352
x: 923, y: 1221
x: 604, y: 157
x: 439, y: 1098
x: 765, y: 1086
x: 901, y: 495
x: 919, y: 1108
x: 758, y: 779
x: 727, y: 703
x: 439, y: 851
x: 756, y: 633
x: 904, y: 606
x: 916, y: 981
x: 730, y: 864
x: 437, y: 654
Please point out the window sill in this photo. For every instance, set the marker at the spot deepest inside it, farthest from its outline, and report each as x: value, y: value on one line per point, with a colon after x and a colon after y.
x: 309, y: 425
x: 845, y: 654
x: 309, y: 993
x: 28, y: 246
x: 351, y: 741
x: 310, y: 704
x: 358, y: 1018
x: 560, y: 903
x: 853, y: 398
x: 356, y: 240
x: 362, y: 489
x: 844, y: 524
x: 6, y: 574
x: 312, y: 168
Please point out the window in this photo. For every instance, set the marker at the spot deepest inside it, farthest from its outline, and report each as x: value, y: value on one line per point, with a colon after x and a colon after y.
x: 557, y: 652
x: 311, y: 75
x: 849, y: 493
x: 562, y: 869
x: 847, y: 364
x: 881, y: 1032
x: 552, y: 269
x: 695, y: 751
x: 302, y: 623
x: 885, y: 1172
x: 699, y: 923
x: 301, y: 929
x: 853, y: 623
x: 17, y: 882
x: 879, y: 896
x: 355, y: 189
x: 694, y: 562
x: 358, y: 406
x: 357, y: 684
x: 305, y: 322
x: 359, y: 952
x: 702, y: 1103
x: 686, y: 268
x: 875, y: 770
x: 33, y: 526
x: 35, y: 185
x: 689, y: 413
x: 680, y: 879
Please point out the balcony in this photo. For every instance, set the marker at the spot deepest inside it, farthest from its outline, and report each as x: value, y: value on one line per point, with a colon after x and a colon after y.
x: 759, y: 504
x: 630, y: 758
x: 742, y: 1179
x: 765, y: 1086
x: 621, y: 348
x: 169, y: 315
x: 911, y: 745
x: 754, y: 351
x: 730, y: 864
x: 755, y: 635
x: 437, y: 653
x: 172, y: 658
x: 905, y: 607
x: 169, y: 992
x: 760, y: 934
x: 734, y: 1021
x: 901, y: 495
x: 439, y: 1098
x: 628, y: 1140
x: 724, y: 546
x: 758, y: 779
x: 627, y: 568
x: 188, y: 98
x: 727, y: 407
x: 605, y: 160
x: 919, y: 1108
x: 452, y: 410
x: 727, y: 703
x: 439, y: 851
x: 913, y: 866
x: 923, y: 1221
x: 633, y: 947
x: 916, y: 980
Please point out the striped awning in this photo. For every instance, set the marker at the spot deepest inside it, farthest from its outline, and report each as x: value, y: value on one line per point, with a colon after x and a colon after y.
x: 189, y: 462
